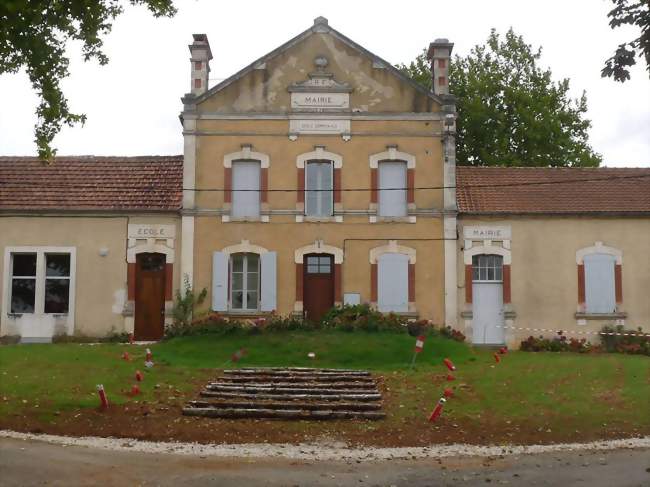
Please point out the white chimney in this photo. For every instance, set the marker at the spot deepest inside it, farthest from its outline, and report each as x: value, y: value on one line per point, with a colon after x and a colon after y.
x: 200, y: 60
x: 440, y: 55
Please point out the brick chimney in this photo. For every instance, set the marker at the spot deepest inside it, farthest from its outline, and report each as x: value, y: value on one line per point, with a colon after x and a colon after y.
x: 440, y: 55
x: 200, y: 60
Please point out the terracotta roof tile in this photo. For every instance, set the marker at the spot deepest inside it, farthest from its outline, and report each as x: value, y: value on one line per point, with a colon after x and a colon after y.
x: 151, y: 183
x: 490, y: 190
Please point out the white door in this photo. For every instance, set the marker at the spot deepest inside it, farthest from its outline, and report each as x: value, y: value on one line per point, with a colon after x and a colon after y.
x: 487, y: 300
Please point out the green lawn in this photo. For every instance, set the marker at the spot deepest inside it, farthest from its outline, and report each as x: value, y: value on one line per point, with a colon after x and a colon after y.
x: 535, y: 390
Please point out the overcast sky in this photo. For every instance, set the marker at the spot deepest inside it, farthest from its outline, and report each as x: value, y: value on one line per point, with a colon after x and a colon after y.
x: 133, y: 103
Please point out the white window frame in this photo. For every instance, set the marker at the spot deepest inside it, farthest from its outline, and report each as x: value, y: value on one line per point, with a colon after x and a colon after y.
x: 320, y: 191
x: 244, y: 308
x: 39, y: 299
x: 476, y: 269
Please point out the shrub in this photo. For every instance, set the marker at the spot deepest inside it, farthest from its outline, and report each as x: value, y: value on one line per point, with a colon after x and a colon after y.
x: 185, y: 304
x: 559, y: 343
x: 625, y: 341
x: 449, y: 332
x: 362, y: 317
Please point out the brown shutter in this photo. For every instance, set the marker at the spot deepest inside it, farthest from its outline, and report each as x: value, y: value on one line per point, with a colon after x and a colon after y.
x: 338, y: 294
x: 227, y: 184
x: 264, y: 185
x: 130, y: 280
x: 618, y: 283
x: 299, y: 278
x: 169, y: 281
x: 581, y: 285
x: 411, y: 283
x: 301, y: 185
x: 373, y: 283
x: 373, y: 185
x: 468, y: 283
x: 506, y: 284
x: 337, y: 185
x: 410, y: 184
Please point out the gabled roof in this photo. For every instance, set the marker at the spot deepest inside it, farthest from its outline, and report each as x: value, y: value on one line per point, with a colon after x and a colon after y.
x: 320, y: 26
x: 521, y: 190
x: 146, y: 183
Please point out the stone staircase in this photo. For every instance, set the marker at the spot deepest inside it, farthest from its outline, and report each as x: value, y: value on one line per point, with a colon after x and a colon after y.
x: 290, y: 393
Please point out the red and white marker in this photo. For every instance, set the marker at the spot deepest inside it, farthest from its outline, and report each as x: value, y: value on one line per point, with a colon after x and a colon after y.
x: 450, y: 365
x: 497, y: 359
x: 437, y: 411
x: 102, y: 396
x: 448, y: 393
x: 419, y: 344
x: 138, y: 376
x: 126, y: 357
x: 148, y: 356
x: 135, y: 390
x: 131, y: 338
x: 450, y: 377
x: 503, y: 350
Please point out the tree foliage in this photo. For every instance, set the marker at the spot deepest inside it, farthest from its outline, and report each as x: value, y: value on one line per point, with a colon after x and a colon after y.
x: 510, y: 111
x: 33, y: 36
x: 635, y: 14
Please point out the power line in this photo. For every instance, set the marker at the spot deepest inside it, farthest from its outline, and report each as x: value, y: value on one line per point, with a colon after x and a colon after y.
x: 151, y: 188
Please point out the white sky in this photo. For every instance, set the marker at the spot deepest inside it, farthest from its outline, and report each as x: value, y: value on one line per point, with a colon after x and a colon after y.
x: 133, y: 103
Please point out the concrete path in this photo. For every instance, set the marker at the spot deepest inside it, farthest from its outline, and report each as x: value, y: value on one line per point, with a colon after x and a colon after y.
x: 30, y: 462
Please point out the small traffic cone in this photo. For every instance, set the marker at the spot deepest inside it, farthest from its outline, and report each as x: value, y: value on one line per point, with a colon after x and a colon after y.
x: 497, y: 359
x: 102, y: 396
x: 450, y: 365
x: 437, y: 411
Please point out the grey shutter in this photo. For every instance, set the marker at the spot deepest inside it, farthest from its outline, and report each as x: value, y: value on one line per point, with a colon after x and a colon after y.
x: 246, y: 176
x: 268, y: 269
x: 393, y: 202
x: 393, y: 282
x: 600, y: 291
x: 319, y: 185
x: 219, y: 281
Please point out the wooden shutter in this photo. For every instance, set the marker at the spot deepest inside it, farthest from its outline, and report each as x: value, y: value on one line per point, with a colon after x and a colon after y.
x: 393, y: 202
x: 268, y: 269
x: 393, y: 282
x: 219, y: 281
x: 246, y: 176
x: 600, y: 291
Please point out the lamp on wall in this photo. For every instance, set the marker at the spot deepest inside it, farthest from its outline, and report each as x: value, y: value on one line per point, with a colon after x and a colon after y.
x: 103, y: 252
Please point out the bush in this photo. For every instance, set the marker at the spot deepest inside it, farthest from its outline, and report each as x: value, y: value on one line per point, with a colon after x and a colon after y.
x: 625, y: 341
x: 449, y: 332
x: 362, y: 317
x: 185, y: 304
x: 559, y: 343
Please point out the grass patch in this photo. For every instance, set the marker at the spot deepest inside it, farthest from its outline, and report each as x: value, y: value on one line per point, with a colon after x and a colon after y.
x: 542, y: 392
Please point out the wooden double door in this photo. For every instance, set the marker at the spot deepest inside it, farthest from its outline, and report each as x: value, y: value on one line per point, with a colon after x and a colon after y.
x: 149, y: 297
x: 318, y: 290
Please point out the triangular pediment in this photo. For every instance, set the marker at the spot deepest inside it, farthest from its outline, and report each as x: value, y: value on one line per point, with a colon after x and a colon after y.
x: 320, y: 60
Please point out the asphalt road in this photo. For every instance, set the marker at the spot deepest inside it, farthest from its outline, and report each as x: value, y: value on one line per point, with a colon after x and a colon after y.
x: 25, y: 463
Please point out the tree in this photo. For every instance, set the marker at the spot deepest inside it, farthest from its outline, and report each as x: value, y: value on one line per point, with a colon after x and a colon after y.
x: 623, y: 13
x: 33, y: 36
x: 510, y: 111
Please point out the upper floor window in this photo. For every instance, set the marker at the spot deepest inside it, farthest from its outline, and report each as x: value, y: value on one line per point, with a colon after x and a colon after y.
x: 319, y: 186
x: 392, y: 189
x: 246, y: 189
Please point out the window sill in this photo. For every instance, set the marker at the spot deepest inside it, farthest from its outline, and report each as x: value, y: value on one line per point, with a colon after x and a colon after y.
x: 601, y: 316
x: 393, y: 219
x: 244, y: 219
x: 319, y: 219
x: 244, y: 314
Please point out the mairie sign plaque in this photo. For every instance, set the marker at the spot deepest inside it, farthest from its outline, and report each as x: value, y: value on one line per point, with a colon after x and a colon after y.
x: 320, y: 101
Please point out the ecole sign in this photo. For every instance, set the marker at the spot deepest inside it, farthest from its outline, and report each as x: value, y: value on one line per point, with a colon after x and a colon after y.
x: 151, y: 231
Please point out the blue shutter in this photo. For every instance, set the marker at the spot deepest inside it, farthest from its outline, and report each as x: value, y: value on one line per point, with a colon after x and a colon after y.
x: 219, y: 281
x: 393, y: 283
x: 600, y: 291
x: 268, y: 269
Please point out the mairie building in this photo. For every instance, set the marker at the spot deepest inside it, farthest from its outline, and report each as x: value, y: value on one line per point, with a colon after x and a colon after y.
x: 319, y: 176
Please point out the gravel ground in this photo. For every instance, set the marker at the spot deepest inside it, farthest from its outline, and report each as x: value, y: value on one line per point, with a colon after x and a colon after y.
x: 324, y: 451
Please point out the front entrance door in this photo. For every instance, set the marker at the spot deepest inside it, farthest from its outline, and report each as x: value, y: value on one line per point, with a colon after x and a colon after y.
x: 487, y: 300
x: 150, y: 297
x: 318, y: 285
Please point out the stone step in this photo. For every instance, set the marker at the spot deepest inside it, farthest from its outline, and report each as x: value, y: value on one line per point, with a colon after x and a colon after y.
x: 282, y: 390
x: 303, y: 385
x: 281, y: 413
x: 314, y: 406
x: 297, y: 378
x: 291, y: 397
